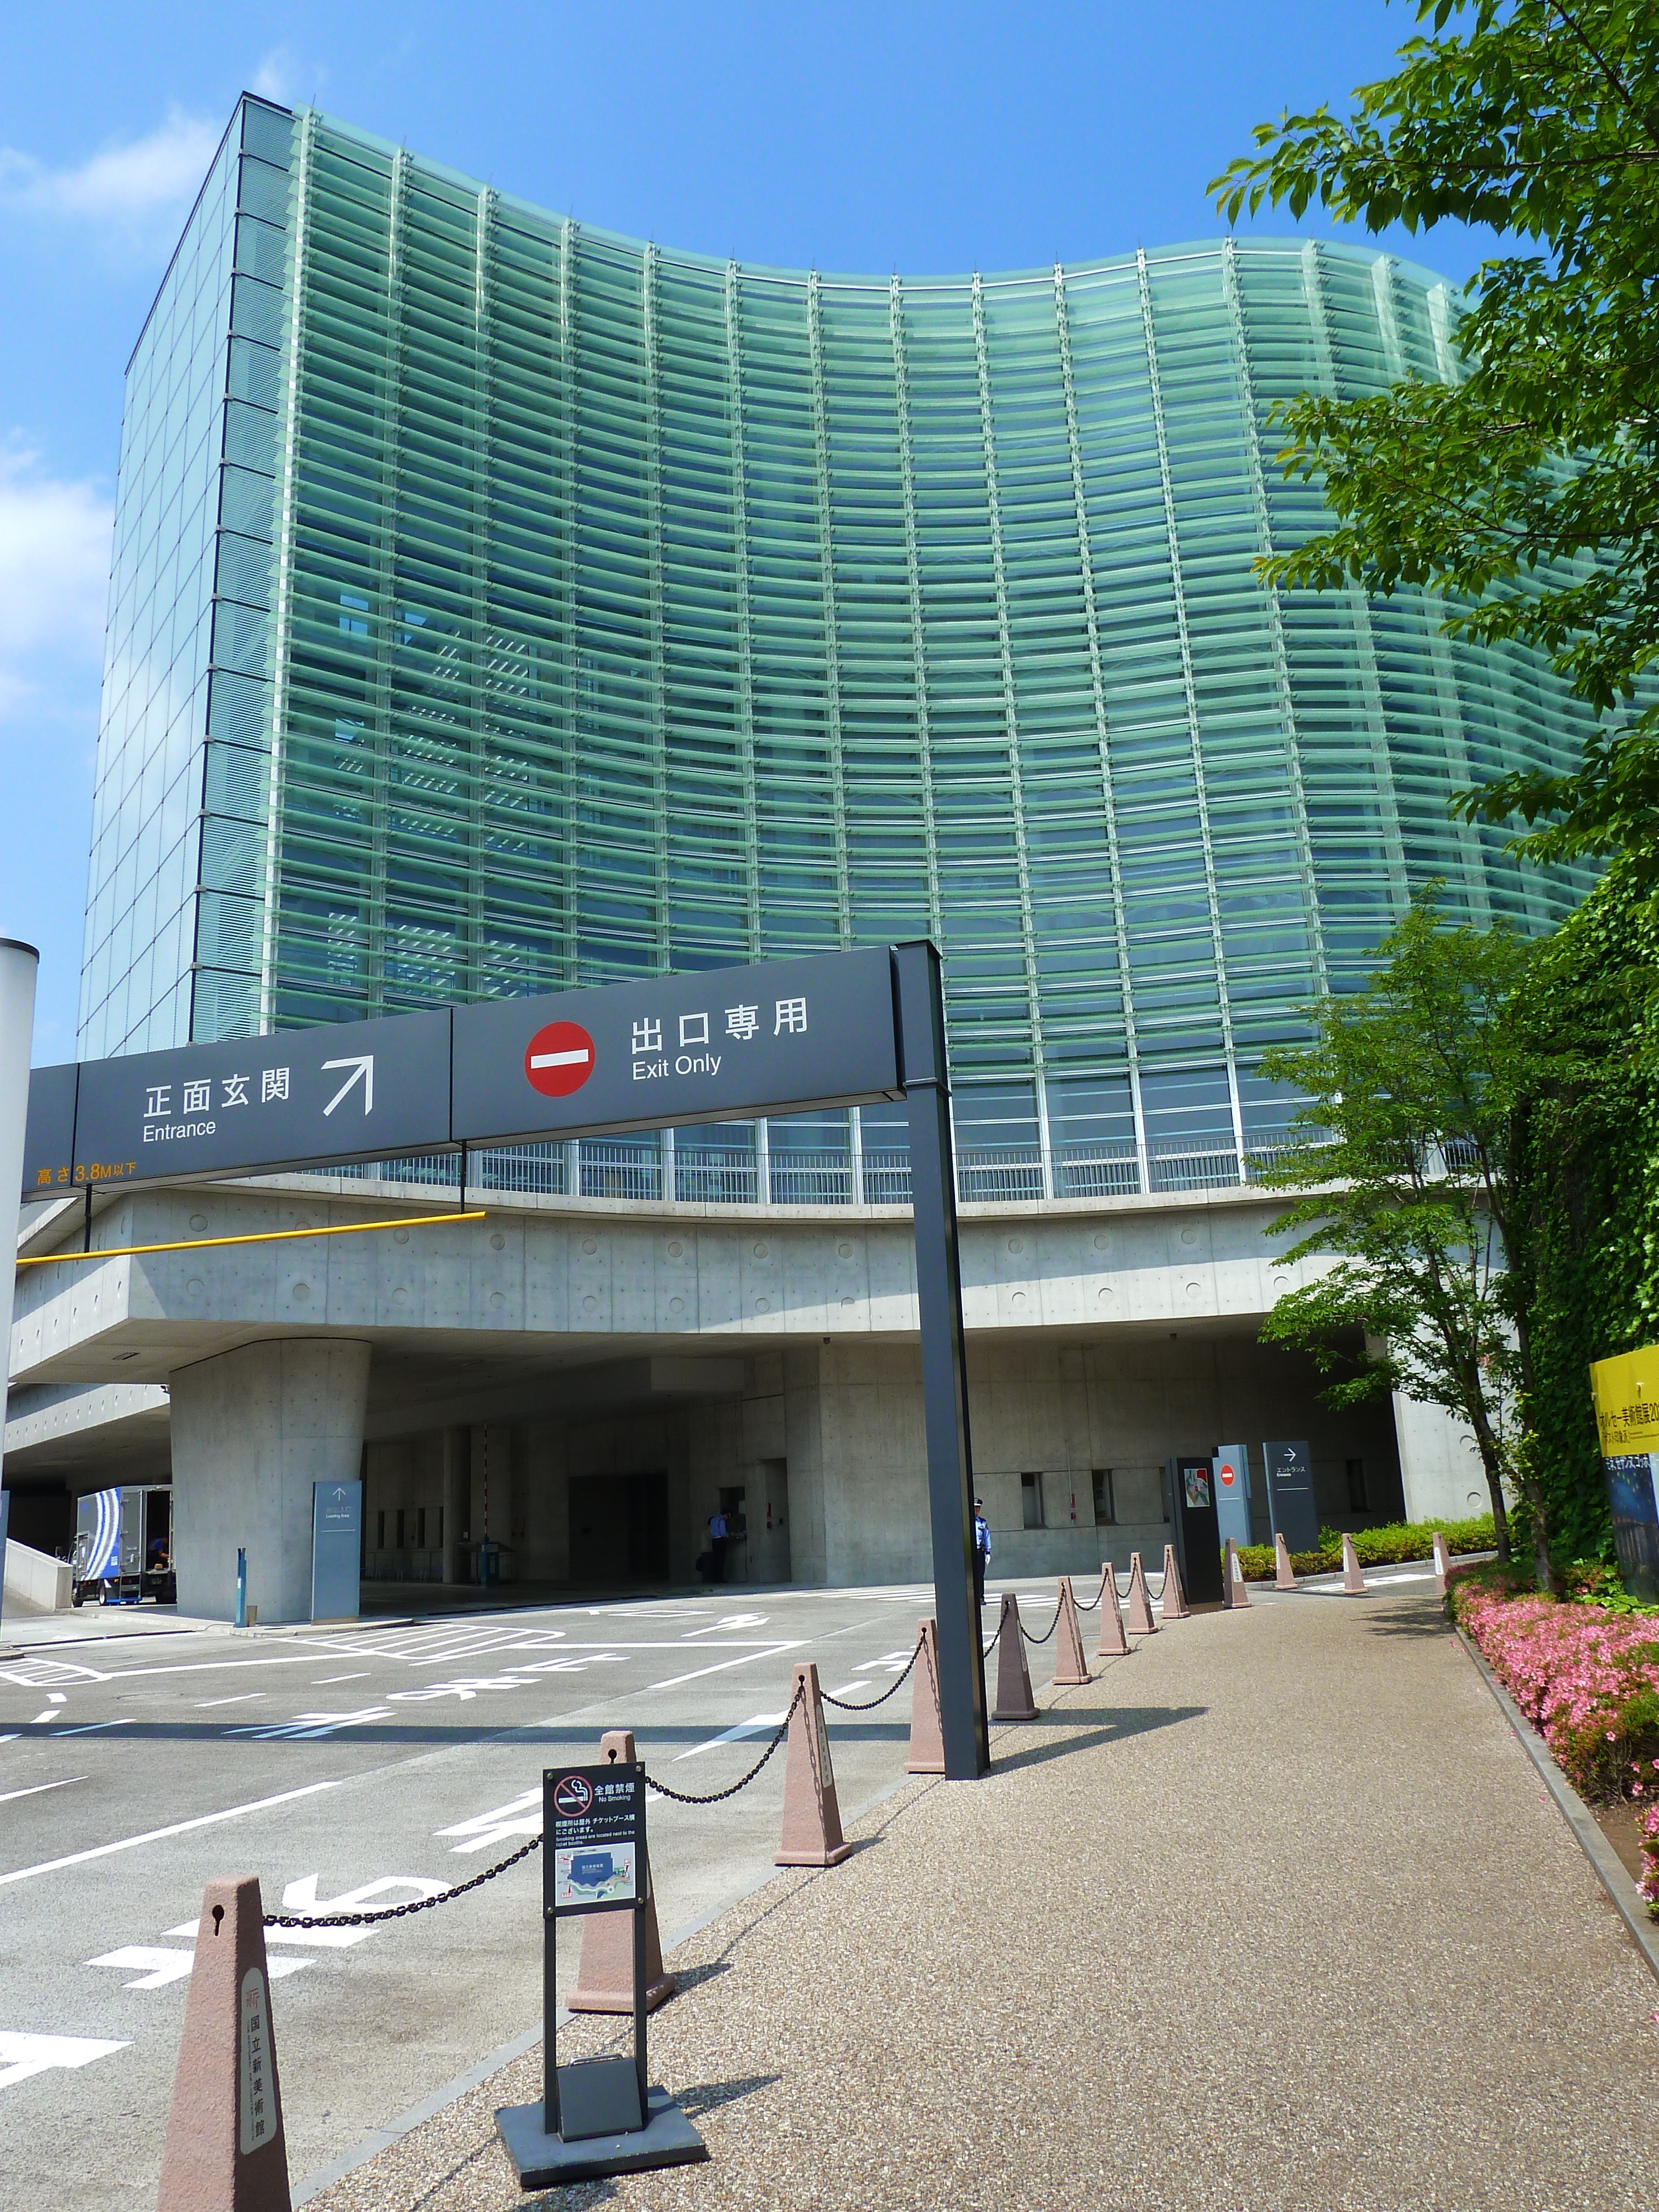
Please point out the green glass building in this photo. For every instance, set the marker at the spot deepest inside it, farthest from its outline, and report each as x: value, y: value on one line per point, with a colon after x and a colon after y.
x: 499, y: 606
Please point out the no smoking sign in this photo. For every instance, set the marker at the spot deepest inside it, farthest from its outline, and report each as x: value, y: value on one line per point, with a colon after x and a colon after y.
x: 559, y: 1059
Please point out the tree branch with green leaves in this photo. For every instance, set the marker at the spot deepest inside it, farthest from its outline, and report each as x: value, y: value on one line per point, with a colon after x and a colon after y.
x: 1526, y: 494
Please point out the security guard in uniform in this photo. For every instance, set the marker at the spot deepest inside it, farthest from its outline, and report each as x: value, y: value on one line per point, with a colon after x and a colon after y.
x: 982, y: 1551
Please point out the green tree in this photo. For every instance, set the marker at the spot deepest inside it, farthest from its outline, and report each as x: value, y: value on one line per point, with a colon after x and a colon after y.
x: 1526, y: 495
x: 1414, y: 1091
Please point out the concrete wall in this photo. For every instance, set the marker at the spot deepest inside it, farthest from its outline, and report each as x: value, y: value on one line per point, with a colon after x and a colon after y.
x: 832, y: 1436
x: 44, y: 1584
x: 1440, y: 1464
x: 252, y: 1431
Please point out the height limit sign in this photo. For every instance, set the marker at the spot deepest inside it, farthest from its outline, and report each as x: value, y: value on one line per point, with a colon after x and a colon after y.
x: 594, y: 1821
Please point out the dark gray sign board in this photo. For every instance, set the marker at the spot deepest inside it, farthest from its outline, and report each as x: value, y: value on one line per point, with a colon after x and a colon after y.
x: 49, y: 1131
x: 336, y: 1550
x: 1291, y: 1505
x: 302, y: 1097
x: 782, y: 1038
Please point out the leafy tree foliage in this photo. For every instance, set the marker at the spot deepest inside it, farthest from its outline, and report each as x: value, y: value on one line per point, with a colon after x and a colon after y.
x: 1412, y: 1088
x: 1527, y: 493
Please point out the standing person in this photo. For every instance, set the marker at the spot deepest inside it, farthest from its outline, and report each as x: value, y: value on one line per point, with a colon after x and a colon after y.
x: 717, y: 1539
x: 982, y: 1551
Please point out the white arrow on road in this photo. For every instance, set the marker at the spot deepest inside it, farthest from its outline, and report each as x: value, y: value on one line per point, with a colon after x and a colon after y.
x: 363, y: 1071
x: 21, y: 2055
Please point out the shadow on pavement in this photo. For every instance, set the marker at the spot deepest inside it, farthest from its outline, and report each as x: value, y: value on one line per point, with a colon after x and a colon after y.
x: 1412, y: 1620
x: 1113, y: 1727
x: 710, y: 2095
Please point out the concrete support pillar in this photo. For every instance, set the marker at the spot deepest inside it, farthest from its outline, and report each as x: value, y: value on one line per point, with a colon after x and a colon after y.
x: 1440, y: 1469
x: 253, y: 1430
x: 457, y: 1482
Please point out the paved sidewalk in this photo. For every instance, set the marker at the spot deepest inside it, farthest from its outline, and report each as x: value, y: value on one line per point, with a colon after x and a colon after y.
x: 1275, y: 1914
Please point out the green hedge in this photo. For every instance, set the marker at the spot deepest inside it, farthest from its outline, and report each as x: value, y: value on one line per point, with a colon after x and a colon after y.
x: 1375, y: 1547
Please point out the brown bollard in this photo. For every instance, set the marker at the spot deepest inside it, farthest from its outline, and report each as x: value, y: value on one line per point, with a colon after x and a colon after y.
x: 1285, y: 1579
x: 604, y: 1977
x: 812, y: 1817
x: 1140, y: 1606
x: 224, y: 2150
x: 1014, y: 1699
x: 1114, y: 1643
x: 927, y: 1719
x: 1069, y: 1669
x: 1442, y: 1564
x: 1353, y: 1582
x: 1175, y: 1606
x: 1234, y: 1590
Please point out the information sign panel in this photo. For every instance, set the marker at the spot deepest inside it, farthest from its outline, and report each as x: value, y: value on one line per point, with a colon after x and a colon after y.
x: 1625, y: 1391
x: 1291, y: 1505
x: 1231, y: 1469
x: 350, y: 1091
x: 336, y: 1549
x: 593, y: 1819
x: 722, y: 1042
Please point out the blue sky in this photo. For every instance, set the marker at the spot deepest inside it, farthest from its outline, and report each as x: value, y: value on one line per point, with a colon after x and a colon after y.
x: 926, y: 138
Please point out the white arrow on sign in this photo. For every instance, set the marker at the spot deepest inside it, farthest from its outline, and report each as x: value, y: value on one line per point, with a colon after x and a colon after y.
x: 363, y: 1071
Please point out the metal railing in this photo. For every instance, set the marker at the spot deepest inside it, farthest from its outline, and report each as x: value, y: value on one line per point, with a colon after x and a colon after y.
x: 987, y: 1175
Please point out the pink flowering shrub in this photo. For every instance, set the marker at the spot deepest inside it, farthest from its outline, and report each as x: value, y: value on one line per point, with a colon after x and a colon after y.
x: 1587, y: 1679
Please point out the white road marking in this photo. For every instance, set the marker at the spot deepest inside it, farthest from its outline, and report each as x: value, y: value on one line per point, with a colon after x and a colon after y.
x: 242, y: 1697
x: 154, y: 1967
x: 34, y: 1790
x: 520, y: 1816
x: 727, y: 1621
x: 157, y: 1968
x: 161, y: 1835
x: 310, y: 1725
x: 323, y: 1680
x: 21, y: 2056
x: 745, y: 1727
x: 768, y: 1651
x: 91, y: 1728
x: 50, y: 1714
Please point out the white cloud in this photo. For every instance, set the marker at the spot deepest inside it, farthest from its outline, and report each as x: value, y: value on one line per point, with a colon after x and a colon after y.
x: 151, y: 180
x: 55, y: 538
x: 275, y: 78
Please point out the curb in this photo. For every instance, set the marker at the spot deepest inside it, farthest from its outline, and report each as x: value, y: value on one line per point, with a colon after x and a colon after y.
x: 1628, y: 1899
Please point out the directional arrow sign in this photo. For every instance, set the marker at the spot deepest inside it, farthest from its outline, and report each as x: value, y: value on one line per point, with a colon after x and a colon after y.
x: 363, y: 1071
x: 266, y: 1101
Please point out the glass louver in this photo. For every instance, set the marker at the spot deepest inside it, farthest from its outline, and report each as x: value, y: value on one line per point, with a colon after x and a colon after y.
x: 501, y: 605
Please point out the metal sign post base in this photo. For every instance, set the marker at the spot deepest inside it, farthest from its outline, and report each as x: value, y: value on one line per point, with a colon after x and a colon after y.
x: 542, y: 2161
x: 596, y: 2117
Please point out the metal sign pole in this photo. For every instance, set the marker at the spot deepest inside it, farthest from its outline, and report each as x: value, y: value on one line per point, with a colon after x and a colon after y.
x: 944, y: 1360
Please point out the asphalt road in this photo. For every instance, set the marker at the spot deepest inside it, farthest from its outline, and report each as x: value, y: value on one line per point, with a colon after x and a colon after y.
x: 363, y: 1767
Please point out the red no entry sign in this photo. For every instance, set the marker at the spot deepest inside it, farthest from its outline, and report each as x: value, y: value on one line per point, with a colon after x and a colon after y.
x: 559, y: 1059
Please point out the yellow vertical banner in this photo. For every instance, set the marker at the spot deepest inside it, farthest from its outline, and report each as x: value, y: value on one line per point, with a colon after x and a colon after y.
x: 1625, y: 1391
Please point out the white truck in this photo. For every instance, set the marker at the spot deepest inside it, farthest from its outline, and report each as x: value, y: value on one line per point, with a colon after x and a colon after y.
x: 124, y: 1546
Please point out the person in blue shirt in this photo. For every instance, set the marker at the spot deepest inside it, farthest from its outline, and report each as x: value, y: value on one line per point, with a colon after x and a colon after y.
x: 982, y: 1551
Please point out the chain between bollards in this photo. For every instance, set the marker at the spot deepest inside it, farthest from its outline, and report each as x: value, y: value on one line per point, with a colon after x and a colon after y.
x: 1047, y: 1632
x: 841, y: 1704
x: 401, y: 1911
x: 680, y: 1796
x: 715, y: 1796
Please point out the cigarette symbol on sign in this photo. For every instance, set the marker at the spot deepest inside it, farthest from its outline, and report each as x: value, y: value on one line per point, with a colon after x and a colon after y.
x: 559, y: 1059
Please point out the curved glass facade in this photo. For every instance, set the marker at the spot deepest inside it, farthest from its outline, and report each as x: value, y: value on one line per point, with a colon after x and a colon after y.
x: 583, y: 609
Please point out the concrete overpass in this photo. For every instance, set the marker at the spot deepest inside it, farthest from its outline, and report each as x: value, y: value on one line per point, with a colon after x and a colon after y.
x: 570, y: 1369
